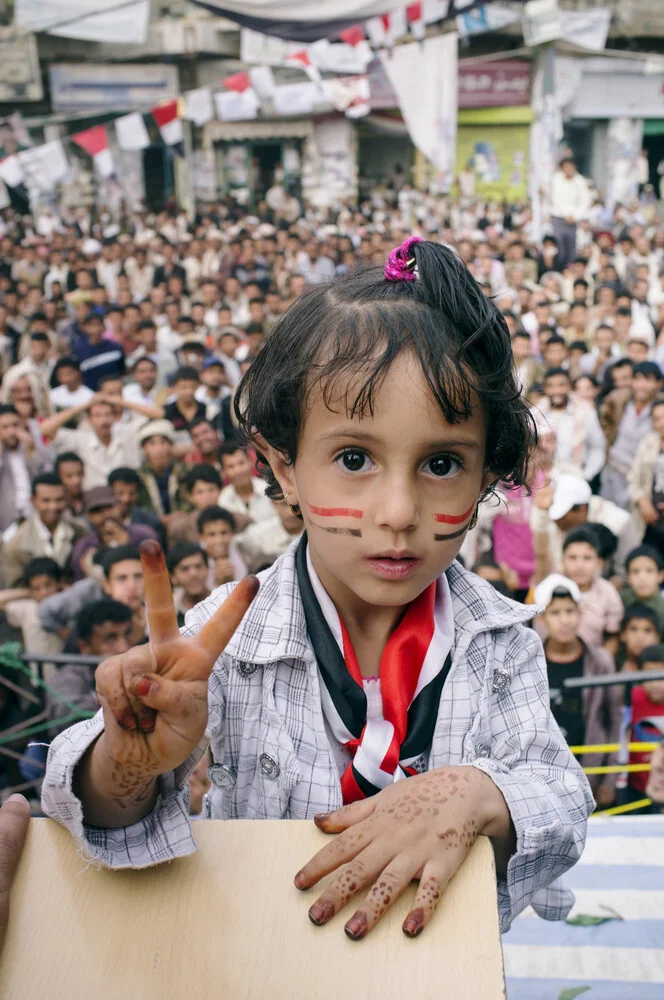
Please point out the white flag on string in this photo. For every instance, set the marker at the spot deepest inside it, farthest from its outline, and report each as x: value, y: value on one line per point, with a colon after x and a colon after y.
x: 295, y: 98
x: 262, y: 80
x: 234, y: 107
x: 131, y: 132
x: 198, y: 106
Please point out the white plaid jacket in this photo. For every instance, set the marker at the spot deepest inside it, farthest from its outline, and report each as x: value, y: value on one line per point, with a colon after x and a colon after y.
x: 274, y: 760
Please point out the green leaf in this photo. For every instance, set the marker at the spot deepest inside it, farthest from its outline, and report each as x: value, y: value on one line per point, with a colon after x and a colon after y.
x: 587, y: 920
x: 573, y: 991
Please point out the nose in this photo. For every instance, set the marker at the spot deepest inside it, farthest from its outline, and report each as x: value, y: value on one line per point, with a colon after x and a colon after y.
x: 398, y: 505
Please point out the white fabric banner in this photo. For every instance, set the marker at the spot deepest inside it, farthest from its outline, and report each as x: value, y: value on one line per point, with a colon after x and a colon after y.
x: 321, y: 10
x: 234, y: 107
x: 131, y: 131
x: 343, y: 92
x: 295, y: 98
x: 103, y: 162
x: 430, y: 112
x: 588, y: 29
x: 79, y: 19
x: 44, y: 166
x: 262, y: 80
x: 198, y: 106
x: 11, y: 171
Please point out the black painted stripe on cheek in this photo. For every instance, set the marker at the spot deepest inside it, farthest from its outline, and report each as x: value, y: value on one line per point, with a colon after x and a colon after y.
x: 354, y: 532
x: 453, y: 534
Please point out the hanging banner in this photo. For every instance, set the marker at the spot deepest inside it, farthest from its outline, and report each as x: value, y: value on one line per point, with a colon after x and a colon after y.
x: 20, y: 76
x: 332, y: 58
x: 95, y: 143
x: 430, y: 112
x: 485, y: 19
x: 43, y: 166
x: 11, y: 172
x: 198, y: 106
x: 120, y: 23
x: 131, y: 132
x: 588, y: 29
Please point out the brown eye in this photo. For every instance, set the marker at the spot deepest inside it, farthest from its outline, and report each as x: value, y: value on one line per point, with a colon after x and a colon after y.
x: 442, y: 466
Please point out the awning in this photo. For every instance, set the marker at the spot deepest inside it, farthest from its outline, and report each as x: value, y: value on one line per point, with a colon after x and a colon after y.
x: 296, y: 128
x: 653, y: 126
x: 305, y: 21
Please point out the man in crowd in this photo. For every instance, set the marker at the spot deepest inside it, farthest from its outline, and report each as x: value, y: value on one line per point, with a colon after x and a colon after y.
x: 20, y: 459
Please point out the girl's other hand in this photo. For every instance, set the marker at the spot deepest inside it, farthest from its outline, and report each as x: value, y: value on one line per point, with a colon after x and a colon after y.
x: 420, y: 828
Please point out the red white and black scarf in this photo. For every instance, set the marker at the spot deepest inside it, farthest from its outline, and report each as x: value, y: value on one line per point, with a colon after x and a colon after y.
x: 413, y: 668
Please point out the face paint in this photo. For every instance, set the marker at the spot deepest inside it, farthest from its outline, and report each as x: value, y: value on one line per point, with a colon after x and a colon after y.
x: 453, y: 518
x: 355, y: 532
x: 452, y: 534
x: 335, y: 511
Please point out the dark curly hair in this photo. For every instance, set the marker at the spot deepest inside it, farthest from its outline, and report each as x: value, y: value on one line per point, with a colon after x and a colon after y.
x: 343, y: 337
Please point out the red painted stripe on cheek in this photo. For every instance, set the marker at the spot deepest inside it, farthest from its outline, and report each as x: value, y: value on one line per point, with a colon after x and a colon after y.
x: 335, y: 511
x: 454, y: 518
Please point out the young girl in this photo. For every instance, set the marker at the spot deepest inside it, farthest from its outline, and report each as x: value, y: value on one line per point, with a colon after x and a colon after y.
x: 386, y: 407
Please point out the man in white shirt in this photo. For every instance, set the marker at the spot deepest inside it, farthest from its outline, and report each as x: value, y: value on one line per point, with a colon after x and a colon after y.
x: 70, y: 390
x: 140, y: 274
x: 103, y: 443
x: 570, y: 204
x: 19, y: 460
x: 314, y: 267
x: 143, y: 387
x: 150, y: 348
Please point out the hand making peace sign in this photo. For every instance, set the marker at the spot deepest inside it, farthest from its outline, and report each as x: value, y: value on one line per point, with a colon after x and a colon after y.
x: 155, y: 697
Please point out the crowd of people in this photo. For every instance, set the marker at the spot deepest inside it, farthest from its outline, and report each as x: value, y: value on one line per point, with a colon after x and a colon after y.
x: 121, y: 348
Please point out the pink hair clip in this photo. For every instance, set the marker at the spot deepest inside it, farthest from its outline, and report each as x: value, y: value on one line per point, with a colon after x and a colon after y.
x: 400, y: 264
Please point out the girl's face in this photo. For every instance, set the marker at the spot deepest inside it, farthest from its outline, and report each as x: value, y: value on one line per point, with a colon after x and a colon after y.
x: 386, y: 498
x: 586, y: 390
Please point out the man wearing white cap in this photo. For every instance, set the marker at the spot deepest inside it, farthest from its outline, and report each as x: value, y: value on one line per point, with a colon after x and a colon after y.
x: 569, y: 504
x: 591, y: 717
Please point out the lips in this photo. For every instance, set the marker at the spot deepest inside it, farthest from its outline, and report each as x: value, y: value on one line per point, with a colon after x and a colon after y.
x: 394, y: 565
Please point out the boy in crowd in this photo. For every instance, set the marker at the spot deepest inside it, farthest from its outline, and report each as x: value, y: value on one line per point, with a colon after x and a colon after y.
x: 123, y: 582
x: 188, y: 566
x: 639, y: 630
x: 600, y: 608
x: 216, y: 528
x: 185, y: 408
x: 586, y: 718
x: 647, y: 725
x: 126, y: 486
x: 70, y: 390
x: 213, y: 388
x: 206, y: 444
x: 202, y: 485
x: 103, y: 629
x: 42, y: 578
x: 70, y: 471
x: 108, y: 529
x: 260, y: 544
x: 645, y: 575
x: 245, y: 493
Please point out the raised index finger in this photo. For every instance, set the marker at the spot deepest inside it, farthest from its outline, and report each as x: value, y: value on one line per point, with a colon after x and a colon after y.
x: 162, y: 619
x: 215, y: 634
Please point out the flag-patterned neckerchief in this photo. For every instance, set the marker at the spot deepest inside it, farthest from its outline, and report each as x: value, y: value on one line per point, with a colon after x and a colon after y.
x: 413, y: 668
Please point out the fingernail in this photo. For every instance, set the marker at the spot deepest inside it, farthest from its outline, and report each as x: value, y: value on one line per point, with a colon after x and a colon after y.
x: 320, y: 912
x: 356, y: 926
x: 144, y: 686
x: 300, y: 880
x: 147, y: 725
x: 414, y: 923
x: 17, y: 797
x: 320, y: 818
x: 128, y: 721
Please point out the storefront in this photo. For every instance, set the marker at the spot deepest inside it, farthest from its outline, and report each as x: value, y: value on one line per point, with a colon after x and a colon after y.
x: 493, y: 127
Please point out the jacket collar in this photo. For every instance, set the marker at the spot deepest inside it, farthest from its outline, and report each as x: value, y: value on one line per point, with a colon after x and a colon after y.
x: 275, y: 629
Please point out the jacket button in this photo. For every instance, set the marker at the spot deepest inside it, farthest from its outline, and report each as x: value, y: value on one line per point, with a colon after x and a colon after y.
x: 246, y: 669
x: 501, y: 679
x: 483, y: 750
x: 221, y: 775
x: 269, y: 766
